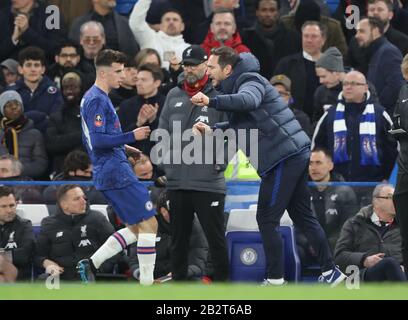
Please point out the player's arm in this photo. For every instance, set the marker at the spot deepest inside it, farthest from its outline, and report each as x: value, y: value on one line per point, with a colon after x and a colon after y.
x: 96, y: 132
x: 106, y: 141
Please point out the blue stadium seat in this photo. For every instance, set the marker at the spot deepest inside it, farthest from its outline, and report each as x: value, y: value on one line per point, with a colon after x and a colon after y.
x: 247, y: 257
x: 332, y: 4
x: 124, y: 6
x: 393, y: 176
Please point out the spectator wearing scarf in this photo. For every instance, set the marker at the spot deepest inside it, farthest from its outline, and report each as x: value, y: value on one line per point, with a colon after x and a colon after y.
x: 356, y: 133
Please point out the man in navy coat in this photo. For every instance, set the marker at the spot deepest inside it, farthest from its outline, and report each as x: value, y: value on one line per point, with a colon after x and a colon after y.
x: 384, y: 61
x: 251, y: 102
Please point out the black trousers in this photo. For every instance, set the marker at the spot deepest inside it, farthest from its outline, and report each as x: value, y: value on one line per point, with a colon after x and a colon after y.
x: 209, y: 208
x: 388, y: 269
x: 285, y: 187
x: 401, y: 207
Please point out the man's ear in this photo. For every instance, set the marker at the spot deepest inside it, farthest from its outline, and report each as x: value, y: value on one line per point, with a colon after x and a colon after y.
x: 331, y: 166
x: 228, y: 69
x: 157, y: 83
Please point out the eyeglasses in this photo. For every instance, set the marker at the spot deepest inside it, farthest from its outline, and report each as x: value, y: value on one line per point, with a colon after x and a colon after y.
x: 385, y: 197
x: 89, y: 40
x: 68, y: 55
x: 353, y: 83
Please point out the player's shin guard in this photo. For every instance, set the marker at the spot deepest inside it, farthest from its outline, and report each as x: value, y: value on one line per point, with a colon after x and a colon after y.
x: 146, y: 253
x: 115, y: 244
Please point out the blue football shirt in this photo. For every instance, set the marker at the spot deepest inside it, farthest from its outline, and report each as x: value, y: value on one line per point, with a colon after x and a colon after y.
x: 104, y: 140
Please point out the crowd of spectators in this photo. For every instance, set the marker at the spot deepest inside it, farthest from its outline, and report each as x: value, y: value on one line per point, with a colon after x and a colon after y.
x: 341, y: 82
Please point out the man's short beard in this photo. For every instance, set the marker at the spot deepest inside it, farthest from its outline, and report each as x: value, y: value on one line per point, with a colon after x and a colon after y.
x: 192, y: 78
x: 66, y: 66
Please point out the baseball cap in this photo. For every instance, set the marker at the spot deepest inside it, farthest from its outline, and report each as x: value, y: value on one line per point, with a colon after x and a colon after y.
x: 281, y: 79
x: 194, y: 55
x: 10, y: 64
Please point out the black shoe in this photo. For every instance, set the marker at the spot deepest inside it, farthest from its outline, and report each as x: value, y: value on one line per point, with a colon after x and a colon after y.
x: 84, y: 269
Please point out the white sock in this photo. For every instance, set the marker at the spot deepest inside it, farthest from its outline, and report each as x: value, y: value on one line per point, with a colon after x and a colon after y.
x: 146, y: 253
x: 276, y: 281
x: 115, y: 244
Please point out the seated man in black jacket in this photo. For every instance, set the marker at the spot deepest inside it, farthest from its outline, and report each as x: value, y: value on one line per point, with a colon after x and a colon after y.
x: 75, y: 232
x: 331, y: 204
x: 16, y: 239
x: 371, y: 240
x: 197, y: 253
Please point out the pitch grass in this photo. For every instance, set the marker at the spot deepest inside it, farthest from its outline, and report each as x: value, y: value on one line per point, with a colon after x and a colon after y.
x: 188, y: 291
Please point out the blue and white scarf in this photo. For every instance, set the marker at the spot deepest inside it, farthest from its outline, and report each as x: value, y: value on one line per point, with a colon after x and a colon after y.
x: 368, y: 144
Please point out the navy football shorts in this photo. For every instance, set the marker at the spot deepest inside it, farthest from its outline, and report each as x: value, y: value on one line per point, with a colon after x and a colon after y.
x: 132, y: 203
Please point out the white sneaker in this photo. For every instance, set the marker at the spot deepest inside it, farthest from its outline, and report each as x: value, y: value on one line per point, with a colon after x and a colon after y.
x: 269, y: 282
x: 334, y: 278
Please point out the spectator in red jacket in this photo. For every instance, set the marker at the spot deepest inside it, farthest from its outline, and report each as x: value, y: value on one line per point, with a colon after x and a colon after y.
x: 223, y: 32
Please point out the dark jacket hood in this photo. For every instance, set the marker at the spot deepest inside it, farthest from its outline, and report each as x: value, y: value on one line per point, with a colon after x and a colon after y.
x: 247, y: 63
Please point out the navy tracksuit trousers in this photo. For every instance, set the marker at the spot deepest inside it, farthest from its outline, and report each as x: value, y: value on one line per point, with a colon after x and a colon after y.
x: 285, y: 187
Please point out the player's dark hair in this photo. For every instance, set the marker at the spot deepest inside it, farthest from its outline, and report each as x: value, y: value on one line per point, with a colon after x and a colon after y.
x: 68, y: 44
x: 173, y: 11
x: 107, y: 57
x: 258, y: 2
x: 375, y: 22
x: 321, y: 26
x: 155, y: 70
x: 388, y: 3
x: 31, y: 53
x: 62, y: 191
x: 325, y: 151
x: 224, y: 10
x: 130, y: 63
x: 226, y: 56
x: 76, y: 160
x: 5, y: 191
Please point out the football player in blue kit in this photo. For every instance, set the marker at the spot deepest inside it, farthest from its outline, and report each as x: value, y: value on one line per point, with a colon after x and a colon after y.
x: 113, y: 176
